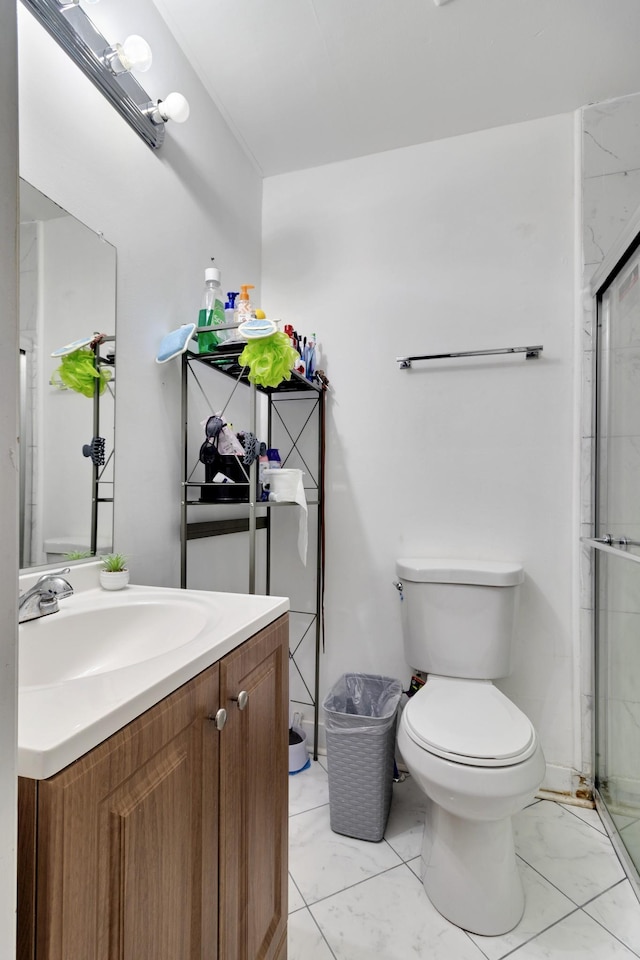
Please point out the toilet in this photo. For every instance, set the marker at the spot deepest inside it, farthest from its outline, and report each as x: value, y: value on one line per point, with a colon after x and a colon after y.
x: 472, y: 752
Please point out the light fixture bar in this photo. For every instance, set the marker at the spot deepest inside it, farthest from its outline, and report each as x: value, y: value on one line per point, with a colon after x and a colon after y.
x: 77, y: 35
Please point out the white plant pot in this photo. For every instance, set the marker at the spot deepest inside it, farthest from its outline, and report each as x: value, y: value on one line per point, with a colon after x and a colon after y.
x: 114, y: 580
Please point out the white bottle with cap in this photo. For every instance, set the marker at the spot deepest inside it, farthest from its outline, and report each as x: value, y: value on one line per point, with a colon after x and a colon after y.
x: 211, y: 311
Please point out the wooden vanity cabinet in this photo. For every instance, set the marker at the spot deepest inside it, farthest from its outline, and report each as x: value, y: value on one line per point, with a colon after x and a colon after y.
x: 169, y: 840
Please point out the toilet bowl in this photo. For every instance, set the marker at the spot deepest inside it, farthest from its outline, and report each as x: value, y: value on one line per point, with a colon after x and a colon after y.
x: 469, y: 869
x: 473, y: 753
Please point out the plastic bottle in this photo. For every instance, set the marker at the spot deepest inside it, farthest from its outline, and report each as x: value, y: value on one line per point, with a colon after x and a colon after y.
x: 211, y: 311
x: 263, y: 463
x: 243, y: 304
x: 230, y: 313
x: 309, y: 357
x: 273, y: 456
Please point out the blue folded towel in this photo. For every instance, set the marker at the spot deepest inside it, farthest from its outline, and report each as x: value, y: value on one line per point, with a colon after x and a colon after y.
x: 175, y: 343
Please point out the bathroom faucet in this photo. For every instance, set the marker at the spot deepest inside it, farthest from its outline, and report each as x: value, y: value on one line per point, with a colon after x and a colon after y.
x: 43, y: 596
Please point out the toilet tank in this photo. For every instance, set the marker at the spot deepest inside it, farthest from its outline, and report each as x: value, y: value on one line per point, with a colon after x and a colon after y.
x: 458, y: 616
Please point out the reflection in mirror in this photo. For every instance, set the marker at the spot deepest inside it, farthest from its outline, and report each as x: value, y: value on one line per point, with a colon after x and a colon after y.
x: 67, y: 294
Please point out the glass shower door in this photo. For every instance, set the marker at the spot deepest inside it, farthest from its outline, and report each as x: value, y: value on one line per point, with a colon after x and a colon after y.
x: 617, y: 557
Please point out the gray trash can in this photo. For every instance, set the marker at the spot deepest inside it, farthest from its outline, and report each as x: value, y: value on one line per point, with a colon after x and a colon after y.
x: 360, y: 719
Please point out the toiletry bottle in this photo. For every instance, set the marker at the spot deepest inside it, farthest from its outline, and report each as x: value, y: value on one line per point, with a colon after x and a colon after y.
x: 309, y: 357
x: 263, y: 463
x: 243, y: 303
x: 211, y: 311
x: 273, y: 456
x: 230, y: 313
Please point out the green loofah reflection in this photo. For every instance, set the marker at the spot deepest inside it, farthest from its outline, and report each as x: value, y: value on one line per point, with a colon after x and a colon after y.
x: 77, y: 372
x: 269, y: 359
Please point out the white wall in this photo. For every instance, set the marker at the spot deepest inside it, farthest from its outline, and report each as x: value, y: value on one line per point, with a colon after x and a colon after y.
x: 462, y: 244
x: 167, y: 213
x: 8, y: 471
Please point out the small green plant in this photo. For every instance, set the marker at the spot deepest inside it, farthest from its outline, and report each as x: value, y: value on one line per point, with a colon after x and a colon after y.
x: 114, y: 562
x: 77, y: 555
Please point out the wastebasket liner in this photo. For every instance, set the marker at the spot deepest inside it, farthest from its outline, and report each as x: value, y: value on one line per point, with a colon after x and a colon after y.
x: 362, y: 702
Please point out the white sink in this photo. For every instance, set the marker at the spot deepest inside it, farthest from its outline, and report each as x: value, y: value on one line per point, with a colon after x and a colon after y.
x: 106, y: 657
x: 77, y: 643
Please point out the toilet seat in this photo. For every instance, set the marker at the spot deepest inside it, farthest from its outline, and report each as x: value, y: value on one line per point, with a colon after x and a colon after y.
x: 469, y: 722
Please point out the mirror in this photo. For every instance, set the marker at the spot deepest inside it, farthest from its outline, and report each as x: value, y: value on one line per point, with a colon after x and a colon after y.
x: 67, y: 294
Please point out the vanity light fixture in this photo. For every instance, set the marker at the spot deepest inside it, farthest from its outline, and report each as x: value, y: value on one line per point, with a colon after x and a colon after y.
x: 109, y: 67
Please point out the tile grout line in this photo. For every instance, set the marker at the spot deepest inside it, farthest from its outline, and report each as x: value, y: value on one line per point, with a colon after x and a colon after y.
x: 610, y: 932
x: 600, y: 923
x: 321, y: 932
x: 577, y: 907
x: 626, y: 826
x: 597, y: 895
x: 510, y: 953
x: 567, y: 807
x: 477, y: 945
x: 550, y: 882
x: 613, y: 173
x: 359, y: 882
x: 299, y: 813
x: 304, y: 902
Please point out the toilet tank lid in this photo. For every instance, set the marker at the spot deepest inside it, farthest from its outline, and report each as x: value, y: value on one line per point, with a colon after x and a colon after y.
x: 492, y: 573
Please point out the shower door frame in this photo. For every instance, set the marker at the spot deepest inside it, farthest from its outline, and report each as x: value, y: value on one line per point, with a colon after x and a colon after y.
x: 625, y: 247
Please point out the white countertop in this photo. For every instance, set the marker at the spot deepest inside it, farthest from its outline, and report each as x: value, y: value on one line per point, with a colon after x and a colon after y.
x: 58, y: 723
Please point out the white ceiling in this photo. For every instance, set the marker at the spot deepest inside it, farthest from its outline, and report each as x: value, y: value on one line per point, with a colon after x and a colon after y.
x: 307, y: 82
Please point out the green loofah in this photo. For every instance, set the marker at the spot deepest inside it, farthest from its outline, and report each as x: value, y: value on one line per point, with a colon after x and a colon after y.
x: 77, y: 372
x: 269, y: 359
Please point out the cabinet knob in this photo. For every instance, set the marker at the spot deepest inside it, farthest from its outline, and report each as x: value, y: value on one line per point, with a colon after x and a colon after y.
x: 220, y: 718
x: 242, y: 699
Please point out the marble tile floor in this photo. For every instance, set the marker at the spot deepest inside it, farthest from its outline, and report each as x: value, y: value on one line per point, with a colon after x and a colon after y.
x: 351, y: 900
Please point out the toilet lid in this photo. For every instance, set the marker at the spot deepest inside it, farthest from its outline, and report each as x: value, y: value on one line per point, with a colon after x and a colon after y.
x: 469, y: 721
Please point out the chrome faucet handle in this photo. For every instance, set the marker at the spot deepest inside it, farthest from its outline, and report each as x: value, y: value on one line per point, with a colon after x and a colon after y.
x: 55, y: 583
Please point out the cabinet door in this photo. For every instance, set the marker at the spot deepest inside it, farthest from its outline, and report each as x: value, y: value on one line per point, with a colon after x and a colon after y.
x: 127, y: 858
x: 253, y: 798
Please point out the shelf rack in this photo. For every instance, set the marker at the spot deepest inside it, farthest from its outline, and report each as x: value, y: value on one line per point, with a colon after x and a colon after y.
x: 99, y: 469
x: 295, y: 410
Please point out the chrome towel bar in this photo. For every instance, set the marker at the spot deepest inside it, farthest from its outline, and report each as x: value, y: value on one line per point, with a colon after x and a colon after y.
x: 531, y: 353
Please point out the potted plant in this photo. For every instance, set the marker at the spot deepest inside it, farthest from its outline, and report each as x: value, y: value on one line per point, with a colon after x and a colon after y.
x: 114, y: 574
x: 78, y: 555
